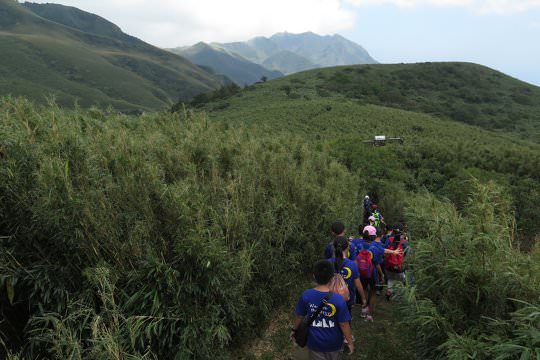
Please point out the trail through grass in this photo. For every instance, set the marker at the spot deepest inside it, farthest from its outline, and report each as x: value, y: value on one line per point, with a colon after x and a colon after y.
x: 379, y: 340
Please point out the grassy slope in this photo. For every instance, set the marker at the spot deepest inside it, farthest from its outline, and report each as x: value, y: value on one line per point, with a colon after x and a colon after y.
x: 42, y: 57
x: 439, y: 154
x: 297, y: 103
x: 300, y: 104
x: 462, y: 92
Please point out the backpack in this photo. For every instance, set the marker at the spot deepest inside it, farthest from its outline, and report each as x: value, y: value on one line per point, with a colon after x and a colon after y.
x: 364, y: 260
x: 378, y: 217
x: 339, y: 286
x: 394, y: 262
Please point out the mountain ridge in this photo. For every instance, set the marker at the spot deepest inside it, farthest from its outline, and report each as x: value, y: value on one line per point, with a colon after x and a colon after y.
x: 225, y: 62
x: 79, y: 57
x: 312, y: 50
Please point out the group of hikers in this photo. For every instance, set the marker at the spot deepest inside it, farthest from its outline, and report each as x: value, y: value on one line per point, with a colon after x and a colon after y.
x: 354, y: 271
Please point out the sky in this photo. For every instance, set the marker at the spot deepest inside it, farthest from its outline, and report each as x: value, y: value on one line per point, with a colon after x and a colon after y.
x: 501, y: 34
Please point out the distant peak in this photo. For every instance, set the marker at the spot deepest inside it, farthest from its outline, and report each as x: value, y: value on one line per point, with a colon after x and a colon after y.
x: 201, y: 44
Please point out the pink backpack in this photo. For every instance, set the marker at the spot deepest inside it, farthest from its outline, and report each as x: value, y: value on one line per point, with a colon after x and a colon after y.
x: 339, y: 286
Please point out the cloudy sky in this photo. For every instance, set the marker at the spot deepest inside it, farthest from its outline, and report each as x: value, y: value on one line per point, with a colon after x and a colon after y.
x: 502, y: 34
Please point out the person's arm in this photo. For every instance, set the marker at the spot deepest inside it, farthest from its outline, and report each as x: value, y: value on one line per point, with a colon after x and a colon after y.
x: 297, y: 322
x: 395, y: 252
x: 360, y: 289
x: 346, y: 329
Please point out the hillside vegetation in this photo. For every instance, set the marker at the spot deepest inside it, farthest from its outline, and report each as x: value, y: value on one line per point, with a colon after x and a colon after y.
x: 462, y: 92
x: 79, y: 58
x: 178, y: 235
x: 440, y: 154
x: 153, y: 235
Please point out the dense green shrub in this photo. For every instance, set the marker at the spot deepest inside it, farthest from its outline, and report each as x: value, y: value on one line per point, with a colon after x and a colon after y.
x: 475, y: 296
x: 155, y: 236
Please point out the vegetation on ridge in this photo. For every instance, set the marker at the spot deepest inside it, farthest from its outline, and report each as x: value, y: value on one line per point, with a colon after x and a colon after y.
x: 82, y: 59
x: 177, y: 235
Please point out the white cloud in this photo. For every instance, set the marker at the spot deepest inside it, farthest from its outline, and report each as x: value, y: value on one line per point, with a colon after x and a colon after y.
x: 170, y: 23
x: 479, y: 6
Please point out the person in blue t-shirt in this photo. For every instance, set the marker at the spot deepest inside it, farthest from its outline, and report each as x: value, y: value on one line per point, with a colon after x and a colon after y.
x: 348, y: 270
x: 337, y: 229
x: 358, y: 244
x: 385, y: 240
x: 326, y: 332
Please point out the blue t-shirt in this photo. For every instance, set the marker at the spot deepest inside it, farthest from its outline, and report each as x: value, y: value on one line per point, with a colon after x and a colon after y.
x: 385, y: 240
x: 361, y: 244
x: 329, y: 251
x: 350, y: 272
x: 356, y: 246
x: 377, y: 249
x: 325, y: 334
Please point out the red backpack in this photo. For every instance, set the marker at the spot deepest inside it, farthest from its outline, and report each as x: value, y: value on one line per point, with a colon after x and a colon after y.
x: 394, y: 262
x: 364, y: 260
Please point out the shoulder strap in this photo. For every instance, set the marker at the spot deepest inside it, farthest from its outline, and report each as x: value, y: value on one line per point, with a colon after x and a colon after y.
x: 319, y: 309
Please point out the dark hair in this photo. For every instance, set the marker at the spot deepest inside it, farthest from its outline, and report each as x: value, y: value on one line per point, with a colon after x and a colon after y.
x: 338, y: 227
x: 365, y: 235
x: 389, y: 227
x: 395, y: 242
x: 323, y: 271
x: 379, y: 232
x: 340, y: 245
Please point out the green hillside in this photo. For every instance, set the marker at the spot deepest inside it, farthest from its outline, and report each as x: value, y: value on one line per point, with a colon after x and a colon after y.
x: 182, y: 235
x: 467, y: 93
x: 81, y: 58
x: 439, y: 153
x: 462, y: 92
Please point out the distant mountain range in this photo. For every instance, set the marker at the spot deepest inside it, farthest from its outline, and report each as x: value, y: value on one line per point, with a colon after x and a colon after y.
x: 311, y: 50
x: 75, y: 56
x: 50, y: 50
x: 230, y: 64
x: 282, y: 53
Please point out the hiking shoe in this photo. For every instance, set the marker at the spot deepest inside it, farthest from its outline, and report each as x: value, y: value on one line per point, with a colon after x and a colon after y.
x: 364, y: 312
x: 378, y: 292
x: 369, y: 318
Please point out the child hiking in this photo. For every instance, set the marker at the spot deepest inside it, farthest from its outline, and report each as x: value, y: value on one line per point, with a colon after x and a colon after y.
x: 394, y: 261
x: 328, y: 328
x: 348, y: 270
x: 336, y: 229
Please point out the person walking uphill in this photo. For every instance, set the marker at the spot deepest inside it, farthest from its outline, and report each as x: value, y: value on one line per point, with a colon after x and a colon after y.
x: 348, y: 269
x: 367, y: 208
x: 329, y: 328
x: 337, y: 229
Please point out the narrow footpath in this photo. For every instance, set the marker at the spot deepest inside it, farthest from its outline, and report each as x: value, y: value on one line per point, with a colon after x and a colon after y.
x: 382, y: 339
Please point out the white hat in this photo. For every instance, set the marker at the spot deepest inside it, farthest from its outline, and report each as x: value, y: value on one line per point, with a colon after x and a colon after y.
x: 371, y: 218
x: 367, y: 197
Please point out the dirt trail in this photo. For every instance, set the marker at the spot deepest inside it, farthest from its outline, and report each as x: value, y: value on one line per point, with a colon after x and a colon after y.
x: 378, y: 340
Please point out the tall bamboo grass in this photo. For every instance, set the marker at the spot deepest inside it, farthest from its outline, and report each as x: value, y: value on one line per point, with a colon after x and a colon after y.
x: 160, y: 236
x: 476, y: 296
